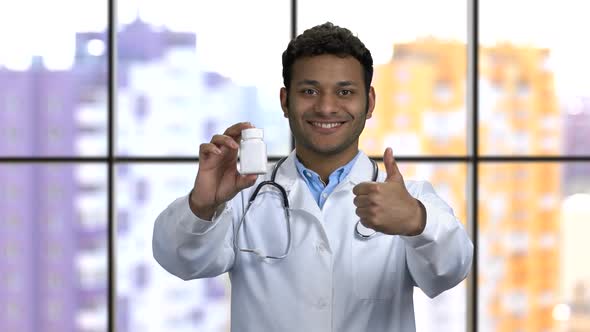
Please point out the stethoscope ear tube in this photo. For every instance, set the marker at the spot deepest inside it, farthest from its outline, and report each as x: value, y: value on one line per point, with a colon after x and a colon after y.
x: 363, y: 232
x: 273, y: 183
x: 375, y: 170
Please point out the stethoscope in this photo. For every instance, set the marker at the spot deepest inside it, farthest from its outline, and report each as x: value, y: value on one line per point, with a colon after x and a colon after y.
x: 361, y: 231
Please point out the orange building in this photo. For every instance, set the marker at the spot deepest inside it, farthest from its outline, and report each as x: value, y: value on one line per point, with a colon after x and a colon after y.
x: 420, y: 110
x: 519, y: 116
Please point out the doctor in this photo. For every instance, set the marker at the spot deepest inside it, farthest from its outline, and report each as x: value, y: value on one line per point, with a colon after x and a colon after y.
x: 332, y: 279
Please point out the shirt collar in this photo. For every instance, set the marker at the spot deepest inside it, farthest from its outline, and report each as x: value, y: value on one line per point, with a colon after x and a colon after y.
x: 341, y: 172
x: 361, y: 171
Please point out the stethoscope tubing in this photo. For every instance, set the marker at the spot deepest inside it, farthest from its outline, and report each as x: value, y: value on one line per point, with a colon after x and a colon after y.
x: 285, y: 199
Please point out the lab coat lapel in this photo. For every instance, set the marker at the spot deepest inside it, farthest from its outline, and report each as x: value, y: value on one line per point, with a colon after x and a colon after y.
x: 300, y: 198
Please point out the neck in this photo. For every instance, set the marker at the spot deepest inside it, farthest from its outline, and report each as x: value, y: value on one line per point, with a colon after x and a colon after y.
x: 324, y: 164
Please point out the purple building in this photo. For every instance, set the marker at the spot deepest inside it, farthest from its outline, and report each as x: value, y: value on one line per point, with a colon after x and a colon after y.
x: 576, y: 140
x: 43, y: 286
x: 16, y: 116
x: 140, y: 41
x: 41, y: 237
x: 18, y: 249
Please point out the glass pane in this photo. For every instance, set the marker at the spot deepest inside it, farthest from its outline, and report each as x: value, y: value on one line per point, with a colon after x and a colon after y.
x: 185, y: 77
x: 419, y: 70
x: 149, y: 298
x: 53, y: 85
x: 448, y: 311
x: 533, y: 224
x: 534, y: 78
x: 53, y: 248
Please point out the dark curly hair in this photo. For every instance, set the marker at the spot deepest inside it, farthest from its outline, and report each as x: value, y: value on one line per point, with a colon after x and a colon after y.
x: 327, y: 38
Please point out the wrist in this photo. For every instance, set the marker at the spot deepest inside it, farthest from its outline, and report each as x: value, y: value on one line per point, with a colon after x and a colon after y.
x: 202, y: 212
x: 419, y: 220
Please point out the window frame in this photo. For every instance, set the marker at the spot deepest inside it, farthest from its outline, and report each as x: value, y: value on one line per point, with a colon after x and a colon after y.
x: 472, y: 159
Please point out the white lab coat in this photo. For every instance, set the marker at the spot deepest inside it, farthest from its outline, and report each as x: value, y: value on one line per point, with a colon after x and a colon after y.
x: 331, y: 280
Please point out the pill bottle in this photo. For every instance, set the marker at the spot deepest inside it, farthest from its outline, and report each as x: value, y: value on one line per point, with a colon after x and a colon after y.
x: 252, y: 152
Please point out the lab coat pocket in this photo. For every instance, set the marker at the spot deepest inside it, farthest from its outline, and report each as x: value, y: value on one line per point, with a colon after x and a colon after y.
x: 372, y: 268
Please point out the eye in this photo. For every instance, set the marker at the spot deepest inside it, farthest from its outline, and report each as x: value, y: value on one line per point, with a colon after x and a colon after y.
x: 345, y: 92
x: 310, y: 92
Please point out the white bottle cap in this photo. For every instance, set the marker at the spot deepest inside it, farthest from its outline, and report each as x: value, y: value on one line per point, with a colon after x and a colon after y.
x: 252, y: 133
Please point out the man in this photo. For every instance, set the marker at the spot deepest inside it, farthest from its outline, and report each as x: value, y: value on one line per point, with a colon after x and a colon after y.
x: 335, y: 276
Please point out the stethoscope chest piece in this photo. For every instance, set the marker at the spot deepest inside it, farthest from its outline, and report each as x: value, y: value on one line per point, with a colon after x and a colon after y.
x: 364, y: 232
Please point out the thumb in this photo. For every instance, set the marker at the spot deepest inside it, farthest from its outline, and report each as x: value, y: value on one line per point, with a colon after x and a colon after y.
x: 393, y: 173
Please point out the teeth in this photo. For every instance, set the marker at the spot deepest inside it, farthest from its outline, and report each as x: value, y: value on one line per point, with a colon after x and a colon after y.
x: 326, y: 125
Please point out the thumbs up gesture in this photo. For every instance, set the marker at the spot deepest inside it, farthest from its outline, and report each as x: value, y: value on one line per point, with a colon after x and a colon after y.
x: 388, y: 207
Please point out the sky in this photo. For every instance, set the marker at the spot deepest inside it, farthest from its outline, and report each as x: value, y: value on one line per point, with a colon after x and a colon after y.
x: 257, y: 31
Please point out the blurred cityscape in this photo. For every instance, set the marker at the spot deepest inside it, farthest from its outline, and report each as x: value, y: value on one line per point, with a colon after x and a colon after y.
x: 524, y: 232
x: 54, y: 236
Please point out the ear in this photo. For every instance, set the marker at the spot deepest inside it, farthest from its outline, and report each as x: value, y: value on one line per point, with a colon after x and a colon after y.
x: 371, y: 102
x: 284, y: 103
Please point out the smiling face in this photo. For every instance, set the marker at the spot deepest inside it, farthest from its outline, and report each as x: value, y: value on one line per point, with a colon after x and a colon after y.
x: 327, y: 105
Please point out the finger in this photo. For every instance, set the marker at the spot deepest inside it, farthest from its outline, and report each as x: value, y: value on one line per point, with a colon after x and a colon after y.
x: 235, y: 131
x: 245, y: 181
x: 367, y: 224
x: 366, y: 188
x: 224, y: 140
x: 207, y: 149
x: 393, y: 172
x: 363, y: 201
x: 360, y: 212
x: 366, y: 214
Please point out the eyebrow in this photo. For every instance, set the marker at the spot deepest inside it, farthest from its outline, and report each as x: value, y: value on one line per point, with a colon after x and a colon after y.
x: 316, y: 83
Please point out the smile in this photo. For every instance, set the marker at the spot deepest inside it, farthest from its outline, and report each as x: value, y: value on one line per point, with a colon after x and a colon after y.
x: 327, y: 124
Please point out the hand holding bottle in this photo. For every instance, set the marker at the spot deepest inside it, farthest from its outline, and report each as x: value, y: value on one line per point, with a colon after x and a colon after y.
x: 218, y: 179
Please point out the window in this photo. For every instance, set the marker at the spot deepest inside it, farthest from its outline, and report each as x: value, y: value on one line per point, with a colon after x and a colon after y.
x: 96, y: 141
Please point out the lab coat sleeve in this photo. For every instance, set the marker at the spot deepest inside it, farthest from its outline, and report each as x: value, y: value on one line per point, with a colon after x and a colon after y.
x: 190, y: 247
x: 440, y: 257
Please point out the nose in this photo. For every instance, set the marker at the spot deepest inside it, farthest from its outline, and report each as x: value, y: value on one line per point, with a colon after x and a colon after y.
x: 327, y: 104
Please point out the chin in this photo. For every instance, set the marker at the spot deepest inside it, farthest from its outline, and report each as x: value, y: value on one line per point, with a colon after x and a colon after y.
x: 328, y: 150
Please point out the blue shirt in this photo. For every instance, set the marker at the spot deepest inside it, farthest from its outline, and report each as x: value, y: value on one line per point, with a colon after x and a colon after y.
x: 318, y: 188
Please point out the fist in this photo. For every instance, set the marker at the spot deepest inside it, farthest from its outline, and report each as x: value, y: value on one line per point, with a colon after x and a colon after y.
x: 388, y: 207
